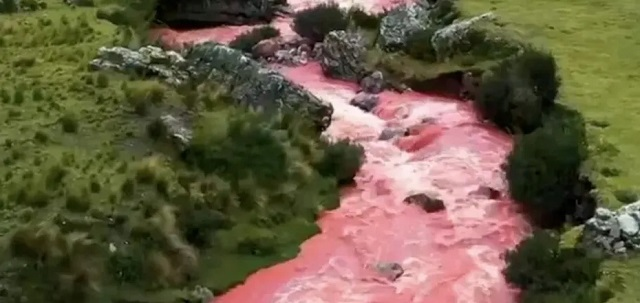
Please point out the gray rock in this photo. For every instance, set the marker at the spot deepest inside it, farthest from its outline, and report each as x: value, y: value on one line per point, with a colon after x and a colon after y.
x: 251, y: 84
x: 428, y: 202
x: 265, y: 48
x: 365, y: 102
x: 628, y: 225
x: 446, y: 39
x: 603, y: 213
x: 400, y: 23
x: 390, y: 270
x: 343, y: 55
x: 146, y: 61
x: 200, y: 294
x: 373, y: 84
x: 178, y: 131
x: 392, y: 132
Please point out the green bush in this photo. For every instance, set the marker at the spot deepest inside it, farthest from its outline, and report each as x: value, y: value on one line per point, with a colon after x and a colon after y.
x: 419, y: 45
x: 543, y: 270
x: 544, y: 167
x: 246, y: 41
x: 342, y: 159
x: 517, y: 93
x: 363, y: 19
x: 316, y: 22
x: 8, y: 6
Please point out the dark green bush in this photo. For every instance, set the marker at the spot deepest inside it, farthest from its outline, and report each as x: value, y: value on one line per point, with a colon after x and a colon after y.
x: 542, y: 269
x: 8, y: 6
x: 342, y: 159
x: 544, y: 167
x: 246, y: 41
x: 517, y: 93
x: 363, y: 19
x: 444, y: 12
x: 419, y: 45
x: 69, y: 123
x: 626, y: 196
x: 316, y: 22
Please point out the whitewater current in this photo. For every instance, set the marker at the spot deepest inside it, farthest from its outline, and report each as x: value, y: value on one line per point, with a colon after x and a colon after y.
x: 452, y: 256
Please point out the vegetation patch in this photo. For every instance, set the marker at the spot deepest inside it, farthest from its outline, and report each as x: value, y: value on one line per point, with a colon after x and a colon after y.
x: 248, y: 40
x: 316, y: 22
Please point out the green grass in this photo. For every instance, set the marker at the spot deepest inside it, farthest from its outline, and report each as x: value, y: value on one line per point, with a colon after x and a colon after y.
x: 76, y: 156
x: 596, y: 44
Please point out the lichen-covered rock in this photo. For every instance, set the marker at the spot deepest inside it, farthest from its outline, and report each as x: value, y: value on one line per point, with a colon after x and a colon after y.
x: 147, y: 61
x: 343, y: 55
x: 253, y: 85
x: 177, y: 130
x: 613, y: 232
x: 446, y: 40
x: 400, y: 23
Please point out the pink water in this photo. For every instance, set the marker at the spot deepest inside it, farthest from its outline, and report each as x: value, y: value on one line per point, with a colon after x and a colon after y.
x: 449, y: 257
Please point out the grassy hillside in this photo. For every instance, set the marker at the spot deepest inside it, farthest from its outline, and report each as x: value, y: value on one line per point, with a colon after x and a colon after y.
x: 596, y: 44
x: 93, y: 203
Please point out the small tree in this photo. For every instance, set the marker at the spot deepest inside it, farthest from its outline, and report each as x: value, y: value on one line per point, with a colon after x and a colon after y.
x: 316, y: 22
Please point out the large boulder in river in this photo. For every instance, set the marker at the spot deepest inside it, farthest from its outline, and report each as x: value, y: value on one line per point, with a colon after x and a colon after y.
x: 343, y: 55
x: 252, y: 84
x: 217, y: 12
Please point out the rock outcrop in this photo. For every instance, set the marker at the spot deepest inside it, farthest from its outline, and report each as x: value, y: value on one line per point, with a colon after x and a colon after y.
x: 218, y: 12
x: 400, y: 23
x: 429, y: 202
x: 444, y: 40
x: 253, y: 85
x: 146, y: 61
x: 343, y: 55
x: 613, y: 232
x: 178, y: 132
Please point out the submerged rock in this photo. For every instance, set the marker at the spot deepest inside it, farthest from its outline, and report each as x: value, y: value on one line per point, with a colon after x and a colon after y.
x: 488, y: 192
x: 393, y: 132
x: 251, y: 84
x: 390, y: 270
x: 428, y: 202
x: 364, y: 101
x: 343, y: 55
x: 146, y: 61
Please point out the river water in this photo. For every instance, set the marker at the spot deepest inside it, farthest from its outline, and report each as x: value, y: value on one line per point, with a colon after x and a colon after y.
x: 453, y: 256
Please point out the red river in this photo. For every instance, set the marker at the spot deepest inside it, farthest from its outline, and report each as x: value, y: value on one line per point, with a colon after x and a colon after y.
x: 453, y: 256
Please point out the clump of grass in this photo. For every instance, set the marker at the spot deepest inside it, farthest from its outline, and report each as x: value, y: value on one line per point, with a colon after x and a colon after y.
x: 69, y: 123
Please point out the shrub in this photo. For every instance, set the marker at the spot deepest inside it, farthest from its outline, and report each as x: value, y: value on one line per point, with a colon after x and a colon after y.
x: 363, y: 19
x: 544, y: 270
x: 626, y: 196
x: 342, y: 160
x: 516, y: 94
x: 419, y: 45
x: 444, y: 12
x: 316, y: 22
x: 544, y: 167
x: 246, y: 41
x: 69, y: 123
x: 8, y: 6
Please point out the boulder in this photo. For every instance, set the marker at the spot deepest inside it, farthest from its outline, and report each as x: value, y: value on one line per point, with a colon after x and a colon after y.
x: 488, y: 192
x: 400, y: 23
x: 446, y: 39
x: 428, y: 202
x: 364, y: 101
x: 393, y: 132
x: 146, y: 61
x: 613, y: 232
x: 343, y: 55
x: 265, y: 48
x: 252, y: 84
x: 177, y: 130
x: 218, y: 12
x: 373, y: 83
x: 390, y: 270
